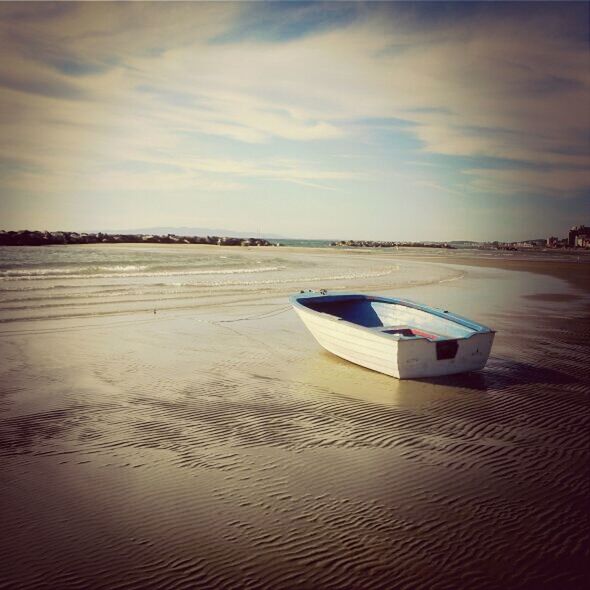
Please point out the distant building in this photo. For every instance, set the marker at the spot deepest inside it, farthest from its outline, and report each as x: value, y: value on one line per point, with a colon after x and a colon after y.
x: 552, y: 242
x: 537, y: 243
x: 577, y: 231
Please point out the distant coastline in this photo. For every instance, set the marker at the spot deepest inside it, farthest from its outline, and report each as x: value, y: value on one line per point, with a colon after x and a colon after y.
x: 373, y: 244
x: 47, y: 238
x: 53, y: 238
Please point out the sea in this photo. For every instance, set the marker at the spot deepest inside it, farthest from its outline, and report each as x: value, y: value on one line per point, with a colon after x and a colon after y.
x: 89, y: 280
x: 83, y: 281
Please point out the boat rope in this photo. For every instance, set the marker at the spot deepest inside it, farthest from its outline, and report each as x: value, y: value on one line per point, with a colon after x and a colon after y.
x: 261, y: 342
x: 258, y: 316
x: 135, y: 321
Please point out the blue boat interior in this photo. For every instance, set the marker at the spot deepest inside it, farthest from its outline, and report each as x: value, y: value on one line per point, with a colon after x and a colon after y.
x: 358, y: 311
x: 396, y: 319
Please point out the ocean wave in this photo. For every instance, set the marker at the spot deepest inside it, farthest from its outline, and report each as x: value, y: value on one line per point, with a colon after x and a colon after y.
x: 68, y: 271
x: 294, y: 279
x: 123, y: 271
x: 155, y: 290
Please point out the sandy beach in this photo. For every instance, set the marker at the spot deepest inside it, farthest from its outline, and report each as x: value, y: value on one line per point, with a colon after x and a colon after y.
x: 168, y: 431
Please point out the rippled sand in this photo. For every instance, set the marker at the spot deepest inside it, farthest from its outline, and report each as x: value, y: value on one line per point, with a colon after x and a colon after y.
x: 183, y: 450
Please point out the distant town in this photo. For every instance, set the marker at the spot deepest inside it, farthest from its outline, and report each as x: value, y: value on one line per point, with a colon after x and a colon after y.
x: 578, y: 237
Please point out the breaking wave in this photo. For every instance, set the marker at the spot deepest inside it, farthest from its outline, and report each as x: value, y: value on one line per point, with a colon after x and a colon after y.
x: 93, y: 272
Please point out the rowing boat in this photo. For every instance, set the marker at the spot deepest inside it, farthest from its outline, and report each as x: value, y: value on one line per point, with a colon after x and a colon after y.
x: 394, y: 336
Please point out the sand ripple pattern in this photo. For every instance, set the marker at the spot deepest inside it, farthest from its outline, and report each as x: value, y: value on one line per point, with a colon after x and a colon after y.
x: 270, y: 464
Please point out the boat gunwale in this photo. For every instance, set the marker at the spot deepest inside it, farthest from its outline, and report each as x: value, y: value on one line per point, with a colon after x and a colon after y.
x: 476, y: 327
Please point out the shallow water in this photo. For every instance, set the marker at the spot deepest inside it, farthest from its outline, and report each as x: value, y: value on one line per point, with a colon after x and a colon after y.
x: 213, y: 444
x: 85, y: 281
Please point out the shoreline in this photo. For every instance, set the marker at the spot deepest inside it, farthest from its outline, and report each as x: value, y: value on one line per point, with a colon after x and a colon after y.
x: 561, y: 269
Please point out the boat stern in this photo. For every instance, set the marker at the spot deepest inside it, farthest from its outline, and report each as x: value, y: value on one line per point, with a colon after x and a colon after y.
x: 421, y: 358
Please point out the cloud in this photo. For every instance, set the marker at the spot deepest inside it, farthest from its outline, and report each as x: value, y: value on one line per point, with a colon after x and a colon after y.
x: 234, y: 94
x: 548, y: 183
x: 286, y: 21
x: 277, y: 169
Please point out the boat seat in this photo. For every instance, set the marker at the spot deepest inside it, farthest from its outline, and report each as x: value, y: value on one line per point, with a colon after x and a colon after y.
x: 410, y: 332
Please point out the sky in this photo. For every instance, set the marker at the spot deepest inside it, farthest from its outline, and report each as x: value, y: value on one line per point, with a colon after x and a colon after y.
x: 386, y: 121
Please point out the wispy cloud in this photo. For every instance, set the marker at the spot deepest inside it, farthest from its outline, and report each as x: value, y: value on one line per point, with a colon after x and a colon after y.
x: 560, y: 183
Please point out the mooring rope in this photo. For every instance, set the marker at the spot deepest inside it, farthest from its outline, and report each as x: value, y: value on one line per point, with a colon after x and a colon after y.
x: 268, y: 314
x: 134, y: 321
x: 259, y: 316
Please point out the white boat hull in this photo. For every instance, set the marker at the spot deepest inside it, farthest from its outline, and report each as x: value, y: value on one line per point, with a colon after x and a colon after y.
x: 405, y: 358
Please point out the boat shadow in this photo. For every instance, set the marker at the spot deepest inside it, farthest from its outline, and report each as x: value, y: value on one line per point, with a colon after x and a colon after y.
x: 338, y: 376
x: 501, y: 374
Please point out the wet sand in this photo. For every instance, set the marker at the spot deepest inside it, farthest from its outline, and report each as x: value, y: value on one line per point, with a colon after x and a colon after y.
x: 197, y: 448
x: 576, y: 270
